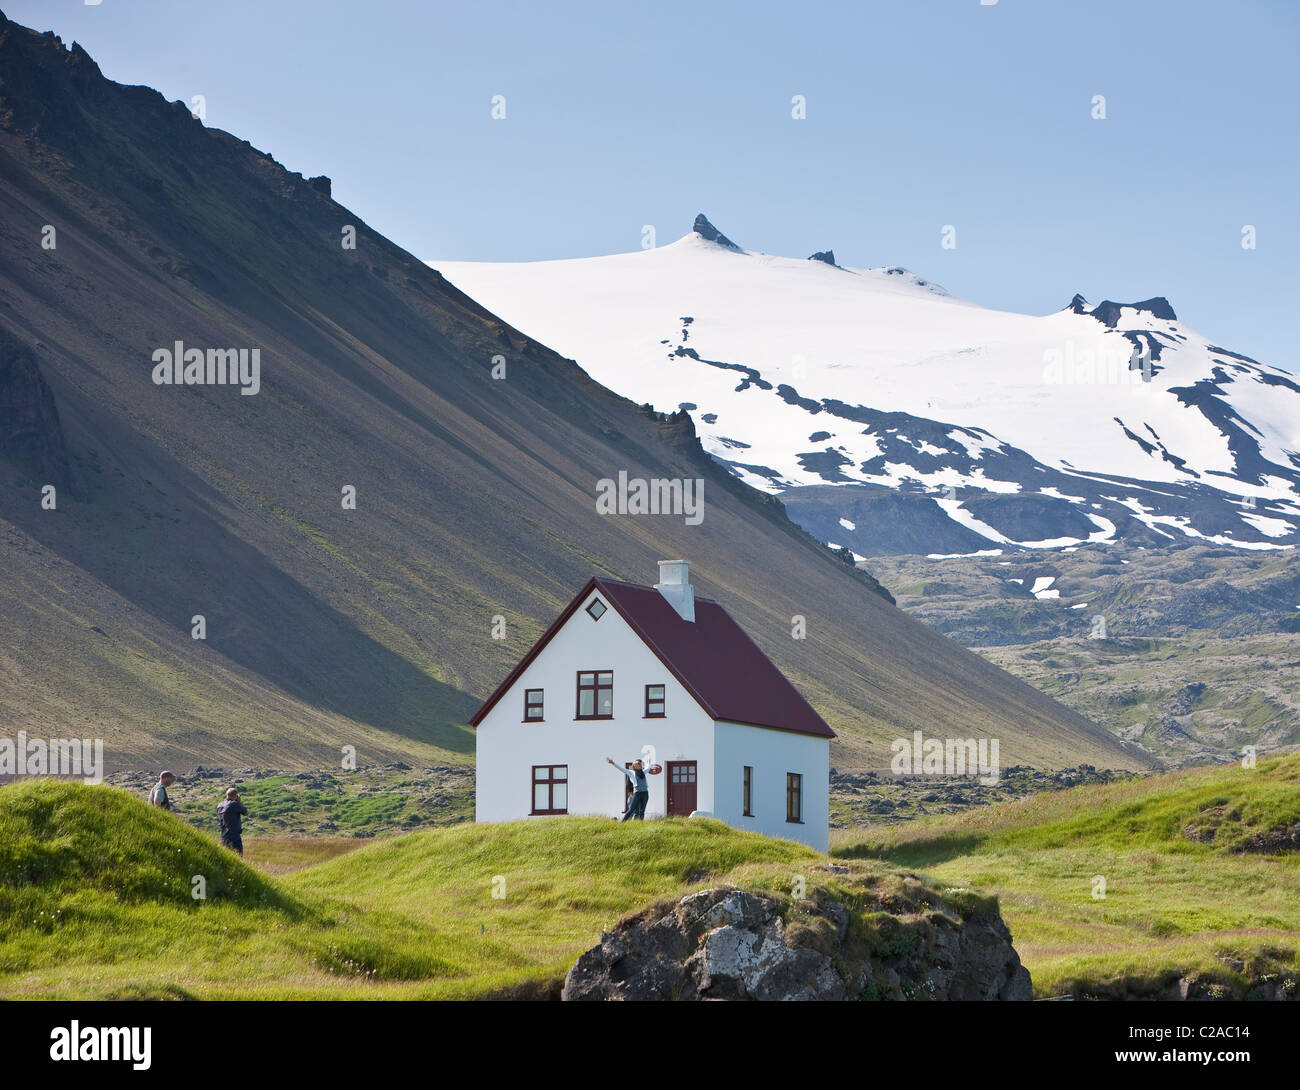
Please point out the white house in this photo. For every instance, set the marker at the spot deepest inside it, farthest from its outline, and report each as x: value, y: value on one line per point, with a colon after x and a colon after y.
x: 654, y: 673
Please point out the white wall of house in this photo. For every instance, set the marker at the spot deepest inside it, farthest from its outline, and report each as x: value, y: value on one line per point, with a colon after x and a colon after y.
x: 508, y: 748
x: 772, y: 753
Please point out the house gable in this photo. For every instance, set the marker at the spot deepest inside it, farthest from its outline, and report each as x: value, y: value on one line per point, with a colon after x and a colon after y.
x: 713, y: 659
x: 575, y: 612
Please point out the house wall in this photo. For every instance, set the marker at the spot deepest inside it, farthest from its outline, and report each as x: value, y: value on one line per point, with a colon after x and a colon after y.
x: 772, y: 753
x: 508, y: 748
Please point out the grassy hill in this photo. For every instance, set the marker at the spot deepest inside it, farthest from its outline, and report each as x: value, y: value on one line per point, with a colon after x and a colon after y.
x: 95, y: 902
x: 95, y: 893
x: 1201, y: 869
x: 327, y: 626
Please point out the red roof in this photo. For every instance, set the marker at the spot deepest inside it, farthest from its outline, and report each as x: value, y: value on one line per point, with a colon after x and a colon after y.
x: 713, y: 658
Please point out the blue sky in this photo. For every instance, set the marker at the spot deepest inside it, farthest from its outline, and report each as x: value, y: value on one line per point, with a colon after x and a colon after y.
x: 919, y: 115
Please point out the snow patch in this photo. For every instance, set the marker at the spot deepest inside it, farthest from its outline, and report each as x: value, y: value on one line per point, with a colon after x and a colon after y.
x: 1269, y: 527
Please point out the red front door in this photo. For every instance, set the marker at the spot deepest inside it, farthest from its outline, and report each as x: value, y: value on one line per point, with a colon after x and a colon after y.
x: 681, y: 787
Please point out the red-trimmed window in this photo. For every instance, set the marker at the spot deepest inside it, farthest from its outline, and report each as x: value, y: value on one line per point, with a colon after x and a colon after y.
x: 654, y: 702
x: 550, y: 789
x: 794, y: 798
x: 595, y: 694
x: 534, y: 702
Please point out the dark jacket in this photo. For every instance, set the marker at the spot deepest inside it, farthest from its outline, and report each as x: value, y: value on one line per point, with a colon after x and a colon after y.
x: 229, y: 819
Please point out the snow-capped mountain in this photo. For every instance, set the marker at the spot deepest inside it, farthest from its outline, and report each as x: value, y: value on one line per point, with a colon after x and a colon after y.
x: 894, y: 417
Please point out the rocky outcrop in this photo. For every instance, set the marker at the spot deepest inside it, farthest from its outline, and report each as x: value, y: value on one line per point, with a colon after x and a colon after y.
x: 1108, y: 312
x: 825, y: 256
x: 706, y: 230
x: 1281, y: 838
x: 30, y: 433
x: 729, y: 944
x: 1185, y: 700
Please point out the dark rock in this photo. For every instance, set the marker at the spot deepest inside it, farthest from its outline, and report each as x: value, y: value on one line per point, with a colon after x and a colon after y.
x: 31, y: 435
x: 1108, y: 312
x: 730, y: 944
x: 1283, y: 838
x: 827, y: 256
x: 1185, y: 700
x: 706, y: 230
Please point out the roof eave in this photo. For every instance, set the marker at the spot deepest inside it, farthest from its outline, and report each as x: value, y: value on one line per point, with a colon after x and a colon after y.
x: 533, y: 652
x: 786, y: 730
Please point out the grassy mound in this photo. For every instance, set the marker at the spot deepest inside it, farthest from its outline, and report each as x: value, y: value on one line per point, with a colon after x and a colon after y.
x: 61, y: 840
x: 574, y: 862
x: 506, y: 906
x: 97, y: 899
x: 95, y: 902
x: 1121, y: 889
x: 95, y: 893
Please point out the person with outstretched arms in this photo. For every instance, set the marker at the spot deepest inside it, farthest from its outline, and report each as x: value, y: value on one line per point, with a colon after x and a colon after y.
x: 640, y: 789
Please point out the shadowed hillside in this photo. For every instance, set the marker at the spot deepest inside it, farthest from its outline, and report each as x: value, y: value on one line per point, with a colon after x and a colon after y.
x: 325, y: 626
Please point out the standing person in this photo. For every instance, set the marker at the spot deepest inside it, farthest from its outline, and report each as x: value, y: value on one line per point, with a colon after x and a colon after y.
x: 158, y: 796
x: 640, y: 789
x: 230, y: 815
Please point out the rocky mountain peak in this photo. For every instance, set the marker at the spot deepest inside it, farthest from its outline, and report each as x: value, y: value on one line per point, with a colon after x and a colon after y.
x: 706, y: 230
x: 1107, y: 312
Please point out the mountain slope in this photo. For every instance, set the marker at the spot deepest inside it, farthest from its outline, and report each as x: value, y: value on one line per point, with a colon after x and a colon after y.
x: 944, y: 427
x: 475, y: 498
x: 1191, y: 652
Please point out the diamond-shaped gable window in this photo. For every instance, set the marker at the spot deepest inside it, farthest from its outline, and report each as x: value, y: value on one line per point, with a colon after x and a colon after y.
x: 596, y: 609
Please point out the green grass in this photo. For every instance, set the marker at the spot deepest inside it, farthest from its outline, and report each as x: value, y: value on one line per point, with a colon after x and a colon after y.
x: 272, y: 801
x: 95, y: 892
x: 95, y: 901
x: 363, y: 803
x: 1184, y: 895
x: 286, y: 854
